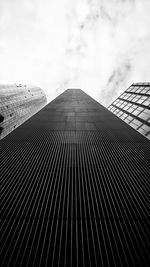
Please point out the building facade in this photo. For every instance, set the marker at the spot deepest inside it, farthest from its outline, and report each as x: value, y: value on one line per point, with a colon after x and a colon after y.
x: 17, y: 104
x: 75, y: 188
x: 133, y: 106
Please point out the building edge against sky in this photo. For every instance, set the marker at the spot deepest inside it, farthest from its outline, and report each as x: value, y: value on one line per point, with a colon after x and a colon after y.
x: 133, y: 107
x: 17, y: 104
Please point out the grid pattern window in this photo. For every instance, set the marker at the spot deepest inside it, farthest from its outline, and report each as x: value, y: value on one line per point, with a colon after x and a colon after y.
x: 17, y: 104
x: 133, y: 106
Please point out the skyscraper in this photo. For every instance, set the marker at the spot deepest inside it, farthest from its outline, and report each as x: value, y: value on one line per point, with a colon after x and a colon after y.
x: 75, y: 188
x: 17, y: 104
x: 133, y: 106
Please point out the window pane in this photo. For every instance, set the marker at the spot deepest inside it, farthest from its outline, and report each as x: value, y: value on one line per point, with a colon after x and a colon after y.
x: 145, y: 127
x: 140, y: 109
x: 137, y: 122
x: 133, y: 125
x: 136, y: 112
x: 142, y: 131
x: 144, y: 116
x: 146, y: 102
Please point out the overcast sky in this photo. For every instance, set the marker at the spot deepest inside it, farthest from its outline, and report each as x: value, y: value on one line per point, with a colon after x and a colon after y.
x: 100, y: 46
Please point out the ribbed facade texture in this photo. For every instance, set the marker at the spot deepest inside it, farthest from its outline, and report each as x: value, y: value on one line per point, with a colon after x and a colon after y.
x: 17, y: 104
x: 133, y: 106
x: 75, y: 188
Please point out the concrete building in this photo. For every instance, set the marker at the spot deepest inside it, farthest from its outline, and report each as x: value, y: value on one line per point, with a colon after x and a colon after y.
x: 75, y: 188
x: 17, y: 104
x: 133, y: 106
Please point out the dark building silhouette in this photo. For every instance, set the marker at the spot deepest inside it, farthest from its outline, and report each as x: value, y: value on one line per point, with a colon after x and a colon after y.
x: 133, y: 106
x: 17, y: 104
x: 75, y: 188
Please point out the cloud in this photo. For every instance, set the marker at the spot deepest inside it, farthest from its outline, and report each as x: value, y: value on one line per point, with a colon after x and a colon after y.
x: 33, y: 41
x: 116, y: 80
x: 96, y: 45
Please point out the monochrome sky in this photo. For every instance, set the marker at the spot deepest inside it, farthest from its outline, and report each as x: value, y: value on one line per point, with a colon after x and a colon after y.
x: 100, y: 46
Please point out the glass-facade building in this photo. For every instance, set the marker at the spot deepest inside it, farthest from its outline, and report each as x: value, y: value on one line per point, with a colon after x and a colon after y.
x: 17, y: 104
x: 133, y: 106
